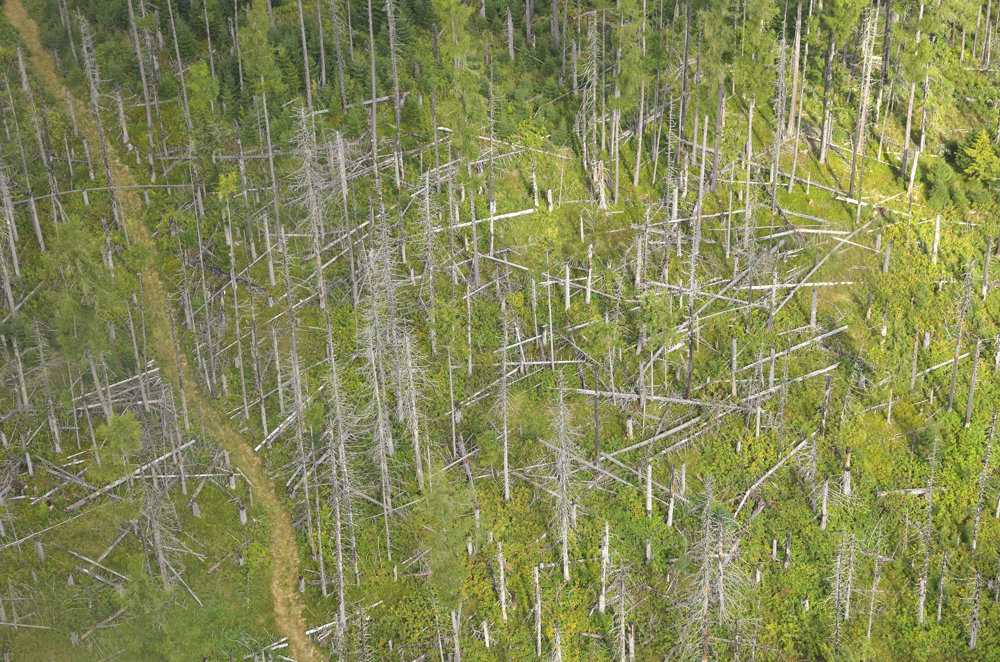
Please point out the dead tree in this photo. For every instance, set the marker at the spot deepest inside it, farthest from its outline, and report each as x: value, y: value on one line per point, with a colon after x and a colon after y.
x: 715, y: 593
x: 502, y: 405
x: 410, y: 396
x: 565, y: 435
x: 972, y: 384
x: 538, y: 607
x: 826, y: 128
x: 796, y: 51
x: 342, y: 426
x: 93, y: 85
x: 297, y: 399
x: 958, y: 337
x: 502, y: 582
x: 974, y: 620
x: 873, y: 592
x: 305, y: 55
x: 842, y: 586
x: 867, y: 44
x: 982, y: 482
x: 340, y: 56
x: 605, y: 542
x: 925, y: 533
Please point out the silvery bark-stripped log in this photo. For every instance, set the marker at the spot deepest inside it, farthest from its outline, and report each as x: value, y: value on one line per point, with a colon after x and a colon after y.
x: 502, y: 579
x: 537, y: 610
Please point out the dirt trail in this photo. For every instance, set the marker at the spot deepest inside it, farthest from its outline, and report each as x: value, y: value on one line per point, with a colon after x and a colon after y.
x: 283, y: 549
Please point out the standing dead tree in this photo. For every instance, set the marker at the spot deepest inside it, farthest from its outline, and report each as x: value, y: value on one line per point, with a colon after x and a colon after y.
x: 564, y: 441
x: 867, y: 45
x: 715, y: 593
x: 982, y: 483
x: 925, y: 532
x: 93, y: 85
x: 975, y: 620
x: 842, y: 586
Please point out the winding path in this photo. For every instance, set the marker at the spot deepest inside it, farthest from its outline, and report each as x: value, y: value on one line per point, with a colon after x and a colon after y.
x: 284, y: 566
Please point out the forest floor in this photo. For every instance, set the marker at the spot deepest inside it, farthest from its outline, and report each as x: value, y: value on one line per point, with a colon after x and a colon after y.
x: 283, y: 552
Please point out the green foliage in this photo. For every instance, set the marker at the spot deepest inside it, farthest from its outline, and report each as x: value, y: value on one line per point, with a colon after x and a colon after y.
x: 202, y: 91
x: 444, y: 521
x: 262, y: 69
x: 945, y: 189
x: 87, y: 296
x: 625, y: 331
x: 978, y: 159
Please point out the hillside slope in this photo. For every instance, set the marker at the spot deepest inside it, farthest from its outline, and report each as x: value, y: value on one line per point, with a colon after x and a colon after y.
x: 589, y: 332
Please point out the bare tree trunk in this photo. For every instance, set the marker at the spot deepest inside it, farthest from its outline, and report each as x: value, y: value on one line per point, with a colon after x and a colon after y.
x: 826, y: 129
x: 180, y: 378
x: 906, y: 133
x: 538, y: 609
x: 958, y: 341
x: 972, y: 385
x: 602, y: 600
x: 140, y: 58
x: 795, y: 133
x: 305, y: 55
x: 684, y: 83
x: 982, y: 483
x: 796, y: 48
x: 720, y: 120
x: 867, y: 43
x: 503, y: 411
x: 510, y: 35
x: 974, y: 622
x: 275, y: 200
x: 322, y: 47
x: 93, y: 82
x: 397, y: 105
x: 923, y: 111
x: 639, y: 132
x: 340, y: 56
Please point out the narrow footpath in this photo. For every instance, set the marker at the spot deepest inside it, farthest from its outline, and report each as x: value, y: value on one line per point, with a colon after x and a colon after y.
x: 284, y: 557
